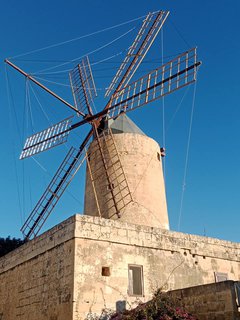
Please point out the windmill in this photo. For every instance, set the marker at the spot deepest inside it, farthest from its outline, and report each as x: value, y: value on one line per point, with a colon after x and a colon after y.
x: 123, y: 96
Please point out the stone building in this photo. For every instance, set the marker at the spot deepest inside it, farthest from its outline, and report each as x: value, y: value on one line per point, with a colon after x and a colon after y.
x: 87, y: 263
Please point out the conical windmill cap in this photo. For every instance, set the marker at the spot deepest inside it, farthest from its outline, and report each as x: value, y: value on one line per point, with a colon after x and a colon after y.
x: 123, y: 124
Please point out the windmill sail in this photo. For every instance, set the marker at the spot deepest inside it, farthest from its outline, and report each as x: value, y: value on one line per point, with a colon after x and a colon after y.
x: 46, y: 139
x: 179, y: 72
x: 142, y: 43
x: 53, y: 192
x: 83, y: 86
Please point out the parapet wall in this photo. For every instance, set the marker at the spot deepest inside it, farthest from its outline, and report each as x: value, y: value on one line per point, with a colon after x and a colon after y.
x: 143, y: 236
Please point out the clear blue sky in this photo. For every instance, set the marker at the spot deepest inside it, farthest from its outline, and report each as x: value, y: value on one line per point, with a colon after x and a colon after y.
x: 211, y: 199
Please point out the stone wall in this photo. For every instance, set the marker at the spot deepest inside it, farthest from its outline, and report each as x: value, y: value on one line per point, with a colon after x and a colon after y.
x: 59, y: 275
x: 36, y: 280
x: 170, y: 260
x: 216, y: 301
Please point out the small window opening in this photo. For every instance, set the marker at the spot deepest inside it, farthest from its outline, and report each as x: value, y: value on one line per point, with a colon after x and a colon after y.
x: 135, y: 280
x: 220, y: 276
x: 105, y: 271
x: 158, y: 156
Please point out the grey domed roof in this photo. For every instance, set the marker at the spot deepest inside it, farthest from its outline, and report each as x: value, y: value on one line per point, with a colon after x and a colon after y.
x: 123, y: 124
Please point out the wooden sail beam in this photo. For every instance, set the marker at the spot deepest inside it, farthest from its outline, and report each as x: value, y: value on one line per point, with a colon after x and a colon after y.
x: 138, y: 50
x: 54, y: 191
x: 43, y: 87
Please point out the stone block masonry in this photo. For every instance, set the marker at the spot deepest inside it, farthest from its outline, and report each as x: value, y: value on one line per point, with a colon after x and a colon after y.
x: 36, y: 280
x: 86, y: 264
x: 216, y: 301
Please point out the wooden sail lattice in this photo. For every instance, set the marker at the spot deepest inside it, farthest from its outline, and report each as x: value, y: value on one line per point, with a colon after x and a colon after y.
x: 46, y: 139
x: 139, y: 48
x: 108, y: 179
x: 179, y: 72
x: 83, y: 86
x: 53, y: 192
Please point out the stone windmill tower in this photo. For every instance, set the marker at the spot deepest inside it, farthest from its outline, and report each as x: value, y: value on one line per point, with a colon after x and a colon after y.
x: 137, y: 166
x: 124, y: 176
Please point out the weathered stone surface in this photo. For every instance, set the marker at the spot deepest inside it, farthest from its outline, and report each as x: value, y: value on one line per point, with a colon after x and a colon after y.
x: 168, y: 259
x: 216, y: 301
x: 36, y: 280
x: 58, y: 275
x: 142, y: 165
